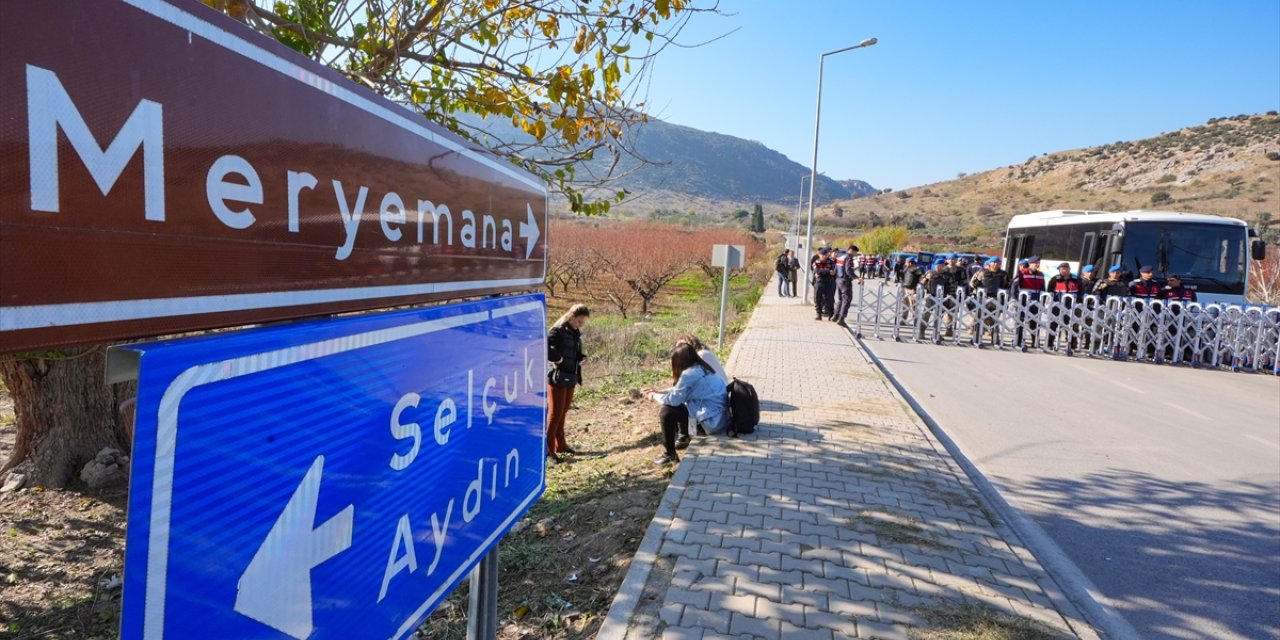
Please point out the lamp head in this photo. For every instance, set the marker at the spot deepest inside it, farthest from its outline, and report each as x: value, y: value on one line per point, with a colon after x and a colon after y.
x: 868, y: 42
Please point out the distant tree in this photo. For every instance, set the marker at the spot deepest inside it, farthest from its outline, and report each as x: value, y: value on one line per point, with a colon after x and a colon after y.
x: 883, y: 240
x: 837, y: 211
x: 1161, y: 197
x: 757, y: 219
x: 711, y: 237
x: 741, y: 214
x: 1264, y: 280
x: 569, y: 256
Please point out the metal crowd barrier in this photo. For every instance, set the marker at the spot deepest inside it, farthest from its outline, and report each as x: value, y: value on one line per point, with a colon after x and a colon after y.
x: 1241, y: 338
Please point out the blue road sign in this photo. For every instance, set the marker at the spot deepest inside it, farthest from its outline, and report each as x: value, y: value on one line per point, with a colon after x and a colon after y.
x: 333, y: 478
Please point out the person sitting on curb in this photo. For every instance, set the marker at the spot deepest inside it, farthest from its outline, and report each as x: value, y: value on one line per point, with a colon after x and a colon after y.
x: 708, y: 356
x: 699, y: 393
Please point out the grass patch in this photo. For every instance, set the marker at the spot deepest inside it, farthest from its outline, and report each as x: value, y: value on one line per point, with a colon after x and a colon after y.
x: 617, y: 385
x: 896, y: 529
x: 973, y: 622
x: 524, y: 556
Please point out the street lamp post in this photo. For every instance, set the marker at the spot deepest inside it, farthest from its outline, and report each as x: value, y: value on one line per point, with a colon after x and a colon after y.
x: 813, y: 178
x: 795, y: 222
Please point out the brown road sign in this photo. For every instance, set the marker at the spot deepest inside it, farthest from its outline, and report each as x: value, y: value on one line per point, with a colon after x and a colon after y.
x: 164, y: 168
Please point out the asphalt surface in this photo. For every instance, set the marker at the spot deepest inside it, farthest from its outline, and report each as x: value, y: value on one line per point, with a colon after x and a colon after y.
x: 1161, y: 484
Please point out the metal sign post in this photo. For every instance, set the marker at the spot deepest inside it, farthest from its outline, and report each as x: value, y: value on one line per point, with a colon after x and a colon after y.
x: 729, y: 256
x: 333, y: 478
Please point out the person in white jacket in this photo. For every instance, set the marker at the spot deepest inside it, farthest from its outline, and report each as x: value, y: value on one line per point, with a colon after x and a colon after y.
x: 698, y: 394
x: 708, y: 356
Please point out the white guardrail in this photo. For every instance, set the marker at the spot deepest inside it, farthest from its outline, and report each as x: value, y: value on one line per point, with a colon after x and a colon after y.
x: 1238, y: 337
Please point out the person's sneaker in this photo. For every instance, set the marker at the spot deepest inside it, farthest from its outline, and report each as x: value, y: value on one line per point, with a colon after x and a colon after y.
x: 842, y: 323
x: 683, y: 442
x: 666, y: 459
x: 819, y: 317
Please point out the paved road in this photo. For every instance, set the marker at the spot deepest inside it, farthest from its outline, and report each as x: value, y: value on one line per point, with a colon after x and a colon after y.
x: 1161, y: 484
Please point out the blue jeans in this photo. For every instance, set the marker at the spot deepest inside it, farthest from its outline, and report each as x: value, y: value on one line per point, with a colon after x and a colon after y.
x: 782, y: 285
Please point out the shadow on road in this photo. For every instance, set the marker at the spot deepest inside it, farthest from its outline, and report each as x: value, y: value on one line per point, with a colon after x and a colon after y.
x: 1183, y: 554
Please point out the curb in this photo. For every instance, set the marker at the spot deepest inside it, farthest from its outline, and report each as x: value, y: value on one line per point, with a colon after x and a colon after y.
x: 1075, y: 597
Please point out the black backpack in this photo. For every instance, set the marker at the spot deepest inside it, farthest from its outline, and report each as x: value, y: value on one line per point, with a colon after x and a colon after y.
x: 744, y: 407
x: 782, y: 264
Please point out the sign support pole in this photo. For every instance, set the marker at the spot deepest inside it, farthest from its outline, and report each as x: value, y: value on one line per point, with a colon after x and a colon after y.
x: 724, y: 299
x: 729, y: 256
x: 482, y: 615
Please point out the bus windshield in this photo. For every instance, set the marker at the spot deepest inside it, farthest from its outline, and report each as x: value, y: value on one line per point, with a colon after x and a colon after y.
x: 1210, y: 256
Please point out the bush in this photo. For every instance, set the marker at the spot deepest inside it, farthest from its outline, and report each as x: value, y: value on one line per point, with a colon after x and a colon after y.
x: 1161, y: 197
x: 1168, y: 177
x: 1273, y: 155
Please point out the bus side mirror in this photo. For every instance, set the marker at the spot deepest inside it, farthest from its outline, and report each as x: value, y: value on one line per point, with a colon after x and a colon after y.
x: 1258, y: 249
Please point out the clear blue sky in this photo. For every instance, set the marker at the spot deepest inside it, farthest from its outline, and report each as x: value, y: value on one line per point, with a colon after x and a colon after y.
x: 965, y: 86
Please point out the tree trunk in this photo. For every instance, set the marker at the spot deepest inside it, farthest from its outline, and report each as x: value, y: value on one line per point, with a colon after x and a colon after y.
x: 66, y: 413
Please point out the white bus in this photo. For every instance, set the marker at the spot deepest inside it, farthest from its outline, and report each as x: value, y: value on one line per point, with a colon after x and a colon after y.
x: 1210, y: 253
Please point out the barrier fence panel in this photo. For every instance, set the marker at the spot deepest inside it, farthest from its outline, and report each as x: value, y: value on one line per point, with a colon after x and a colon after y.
x: 1239, y: 337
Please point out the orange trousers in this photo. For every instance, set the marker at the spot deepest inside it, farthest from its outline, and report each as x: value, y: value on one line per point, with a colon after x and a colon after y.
x: 558, y: 401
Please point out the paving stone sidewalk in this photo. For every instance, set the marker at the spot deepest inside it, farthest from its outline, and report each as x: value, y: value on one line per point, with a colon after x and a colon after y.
x: 840, y: 517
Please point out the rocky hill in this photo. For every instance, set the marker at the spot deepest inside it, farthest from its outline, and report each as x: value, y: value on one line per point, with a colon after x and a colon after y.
x: 1228, y: 166
x: 678, y: 168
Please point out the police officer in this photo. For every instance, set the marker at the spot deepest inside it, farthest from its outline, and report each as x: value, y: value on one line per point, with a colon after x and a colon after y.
x: 1087, y: 279
x: 911, y: 276
x: 824, y: 284
x: 1066, y: 289
x: 1088, y: 284
x: 1145, y: 286
x: 988, y: 283
x: 1027, y: 285
x: 844, y: 285
x: 1143, y: 290
x: 938, y: 283
x: 1173, y: 290
x: 1113, y: 286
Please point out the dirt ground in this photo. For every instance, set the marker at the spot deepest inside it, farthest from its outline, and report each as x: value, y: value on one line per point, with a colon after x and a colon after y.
x: 62, y: 552
x: 60, y: 557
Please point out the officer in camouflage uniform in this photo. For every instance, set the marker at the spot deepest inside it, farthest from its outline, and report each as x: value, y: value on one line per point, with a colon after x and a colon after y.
x: 988, y: 284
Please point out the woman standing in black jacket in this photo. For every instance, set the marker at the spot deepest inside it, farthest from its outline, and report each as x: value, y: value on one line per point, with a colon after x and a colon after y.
x: 564, y: 351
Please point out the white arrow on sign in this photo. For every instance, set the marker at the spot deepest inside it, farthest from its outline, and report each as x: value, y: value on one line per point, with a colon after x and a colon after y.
x: 276, y: 587
x: 529, y: 230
